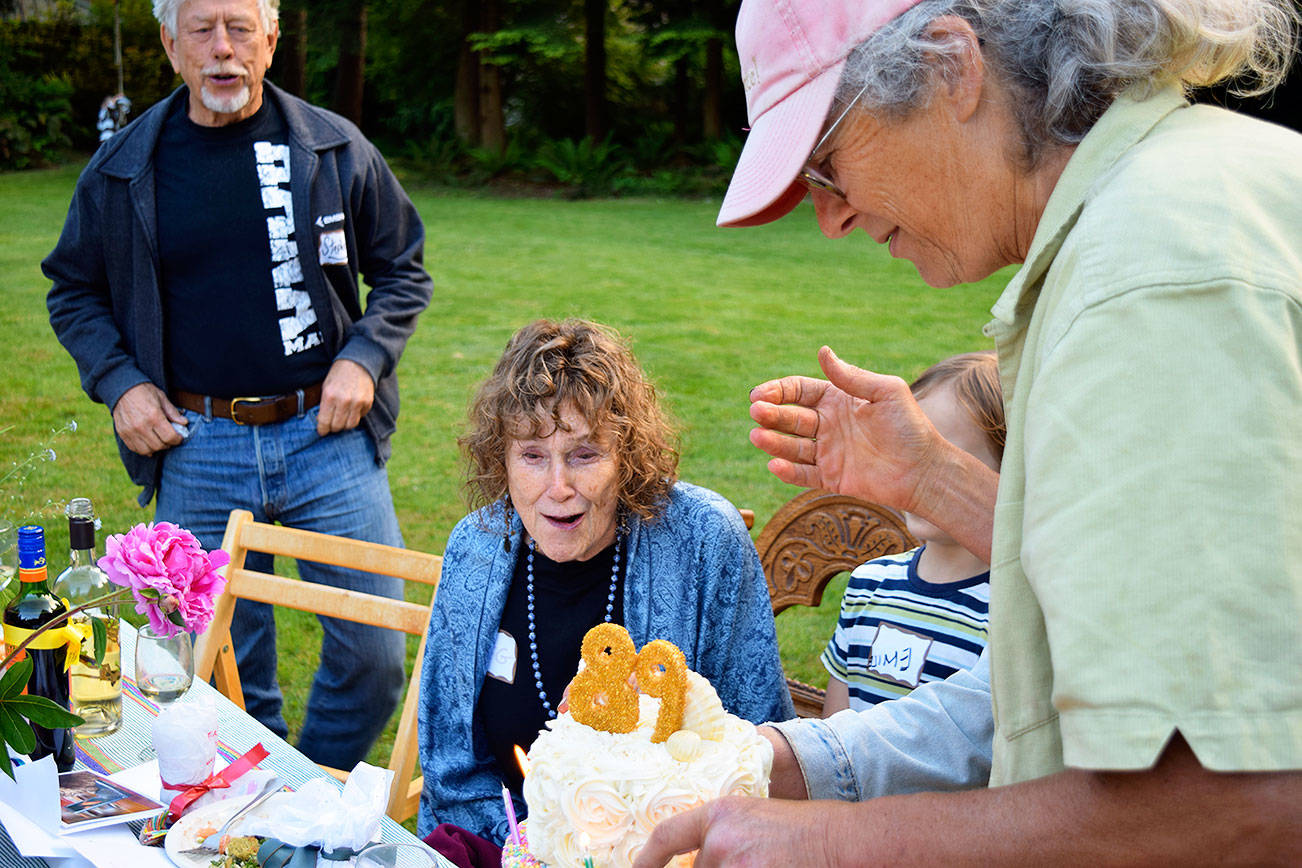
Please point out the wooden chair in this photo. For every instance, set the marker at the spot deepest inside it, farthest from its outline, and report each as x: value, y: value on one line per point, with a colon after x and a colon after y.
x: 215, y: 657
x: 812, y: 538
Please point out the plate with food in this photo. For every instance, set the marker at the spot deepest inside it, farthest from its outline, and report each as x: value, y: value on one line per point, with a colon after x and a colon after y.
x: 183, y: 840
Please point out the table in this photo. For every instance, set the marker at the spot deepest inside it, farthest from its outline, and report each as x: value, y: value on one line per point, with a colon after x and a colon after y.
x: 236, y: 733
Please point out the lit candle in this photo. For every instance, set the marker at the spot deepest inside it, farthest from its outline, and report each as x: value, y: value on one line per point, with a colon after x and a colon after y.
x: 510, y: 816
x: 522, y: 760
x: 585, y: 841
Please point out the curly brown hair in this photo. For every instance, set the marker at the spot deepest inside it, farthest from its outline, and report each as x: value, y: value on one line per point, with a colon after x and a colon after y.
x: 975, y: 380
x: 549, y: 365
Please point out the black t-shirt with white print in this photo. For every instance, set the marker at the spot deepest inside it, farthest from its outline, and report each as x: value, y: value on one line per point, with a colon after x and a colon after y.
x: 237, y: 318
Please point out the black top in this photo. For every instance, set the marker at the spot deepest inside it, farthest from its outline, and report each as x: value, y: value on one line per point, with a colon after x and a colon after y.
x: 237, y: 319
x: 569, y: 599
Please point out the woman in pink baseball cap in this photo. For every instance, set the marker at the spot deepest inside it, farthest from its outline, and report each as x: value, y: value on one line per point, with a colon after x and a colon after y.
x: 1144, y: 533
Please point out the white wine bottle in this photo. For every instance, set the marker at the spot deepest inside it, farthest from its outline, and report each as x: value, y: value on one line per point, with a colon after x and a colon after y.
x: 96, y: 687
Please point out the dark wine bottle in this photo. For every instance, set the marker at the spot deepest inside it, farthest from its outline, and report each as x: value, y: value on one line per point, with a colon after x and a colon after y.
x: 34, y: 607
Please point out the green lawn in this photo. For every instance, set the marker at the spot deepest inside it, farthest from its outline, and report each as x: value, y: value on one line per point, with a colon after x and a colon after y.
x: 711, y: 312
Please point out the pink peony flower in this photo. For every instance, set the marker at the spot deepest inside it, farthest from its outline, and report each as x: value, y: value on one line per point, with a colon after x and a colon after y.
x: 169, y: 574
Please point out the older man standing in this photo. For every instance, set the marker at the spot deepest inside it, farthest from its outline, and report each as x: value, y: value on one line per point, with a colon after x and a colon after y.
x: 206, y: 285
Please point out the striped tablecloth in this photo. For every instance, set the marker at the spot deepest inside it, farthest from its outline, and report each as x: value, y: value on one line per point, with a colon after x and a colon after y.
x: 236, y: 733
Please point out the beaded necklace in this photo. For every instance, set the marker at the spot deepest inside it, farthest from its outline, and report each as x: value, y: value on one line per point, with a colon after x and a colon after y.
x: 533, y: 635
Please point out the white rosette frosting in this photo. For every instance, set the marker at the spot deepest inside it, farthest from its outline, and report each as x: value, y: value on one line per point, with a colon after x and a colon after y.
x: 600, y: 794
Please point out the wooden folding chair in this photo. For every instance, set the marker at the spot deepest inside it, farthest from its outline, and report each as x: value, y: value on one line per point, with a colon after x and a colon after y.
x: 215, y: 657
x: 811, y: 539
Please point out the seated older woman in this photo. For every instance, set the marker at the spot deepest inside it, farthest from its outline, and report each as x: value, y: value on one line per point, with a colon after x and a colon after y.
x: 583, y: 522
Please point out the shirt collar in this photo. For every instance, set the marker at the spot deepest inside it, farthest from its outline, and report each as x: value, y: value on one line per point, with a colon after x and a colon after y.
x: 1128, y: 120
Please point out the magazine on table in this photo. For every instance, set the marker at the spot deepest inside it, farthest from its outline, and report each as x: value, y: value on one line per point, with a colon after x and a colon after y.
x: 89, y: 801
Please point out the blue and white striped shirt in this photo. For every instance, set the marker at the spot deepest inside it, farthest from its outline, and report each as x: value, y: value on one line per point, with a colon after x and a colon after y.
x: 897, y: 631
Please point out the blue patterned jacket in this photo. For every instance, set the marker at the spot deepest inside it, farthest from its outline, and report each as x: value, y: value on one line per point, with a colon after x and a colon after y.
x: 693, y: 578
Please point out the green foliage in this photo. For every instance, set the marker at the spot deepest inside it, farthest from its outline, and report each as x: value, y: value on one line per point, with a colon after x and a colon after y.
x: 440, y: 152
x: 63, y: 64
x: 654, y: 148
x: 34, y: 115
x: 487, y: 164
x: 721, y: 153
x: 18, y: 712
x: 511, y: 46
x: 588, y: 168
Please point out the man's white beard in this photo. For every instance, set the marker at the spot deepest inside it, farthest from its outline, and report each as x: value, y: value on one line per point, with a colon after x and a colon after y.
x: 225, y: 105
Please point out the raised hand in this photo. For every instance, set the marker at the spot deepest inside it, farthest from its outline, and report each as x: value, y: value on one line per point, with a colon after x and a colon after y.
x: 863, y: 434
x: 346, y: 396
x: 143, y: 418
x: 856, y: 433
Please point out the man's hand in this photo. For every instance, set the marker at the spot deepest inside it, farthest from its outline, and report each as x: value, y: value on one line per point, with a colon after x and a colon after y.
x: 143, y: 418
x: 856, y: 433
x: 346, y: 396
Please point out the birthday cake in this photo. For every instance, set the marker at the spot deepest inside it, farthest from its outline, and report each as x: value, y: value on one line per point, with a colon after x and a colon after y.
x: 622, y: 759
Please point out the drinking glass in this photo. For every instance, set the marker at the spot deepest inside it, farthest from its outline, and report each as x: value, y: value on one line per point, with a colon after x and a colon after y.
x: 164, y: 665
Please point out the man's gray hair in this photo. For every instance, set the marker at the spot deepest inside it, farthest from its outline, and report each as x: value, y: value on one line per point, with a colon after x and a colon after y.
x: 1065, y: 61
x: 166, y: 10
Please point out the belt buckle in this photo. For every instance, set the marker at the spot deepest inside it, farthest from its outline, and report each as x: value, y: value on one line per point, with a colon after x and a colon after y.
x: 235, y: 401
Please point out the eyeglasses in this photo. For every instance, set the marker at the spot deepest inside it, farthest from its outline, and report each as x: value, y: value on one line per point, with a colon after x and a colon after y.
x: 811, y: 175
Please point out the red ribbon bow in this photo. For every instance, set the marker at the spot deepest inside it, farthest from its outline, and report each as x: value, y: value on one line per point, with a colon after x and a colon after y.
x: 217, y: 781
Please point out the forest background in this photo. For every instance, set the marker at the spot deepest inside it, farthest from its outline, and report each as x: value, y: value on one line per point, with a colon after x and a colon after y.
x: 592, y: 96
x: 575, y: 97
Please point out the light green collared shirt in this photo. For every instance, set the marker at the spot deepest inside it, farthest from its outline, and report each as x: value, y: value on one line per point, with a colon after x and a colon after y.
x: 1147, y: 567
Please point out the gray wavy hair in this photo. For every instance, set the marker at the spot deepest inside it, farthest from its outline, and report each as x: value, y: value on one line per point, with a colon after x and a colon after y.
x: 166, y: 10
x: 1065, y: 61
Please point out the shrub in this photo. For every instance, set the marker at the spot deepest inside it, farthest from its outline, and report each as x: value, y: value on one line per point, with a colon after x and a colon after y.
x: 588, y: 168
x: 486, y: 164
x: 35, y: 112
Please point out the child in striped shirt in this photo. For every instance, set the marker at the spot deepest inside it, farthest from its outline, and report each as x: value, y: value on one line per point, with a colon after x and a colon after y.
x: 921, y: 615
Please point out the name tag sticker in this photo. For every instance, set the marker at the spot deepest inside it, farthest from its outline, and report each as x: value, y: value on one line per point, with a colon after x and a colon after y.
x: 333, y: 249
x: 898, y: 654
x: 502, y: 664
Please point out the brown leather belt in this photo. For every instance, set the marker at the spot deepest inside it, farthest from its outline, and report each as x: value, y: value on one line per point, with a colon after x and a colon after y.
x: 251, y: 411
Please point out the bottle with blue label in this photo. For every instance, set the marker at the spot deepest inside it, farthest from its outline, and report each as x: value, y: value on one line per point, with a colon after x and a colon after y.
x: 34, y: 607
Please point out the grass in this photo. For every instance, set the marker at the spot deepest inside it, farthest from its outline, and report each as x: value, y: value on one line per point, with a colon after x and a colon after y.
x: 710, y: 312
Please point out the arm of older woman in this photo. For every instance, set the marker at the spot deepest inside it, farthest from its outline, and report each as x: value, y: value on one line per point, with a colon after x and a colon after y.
x: 1175, y: 813
x: 863, y: 434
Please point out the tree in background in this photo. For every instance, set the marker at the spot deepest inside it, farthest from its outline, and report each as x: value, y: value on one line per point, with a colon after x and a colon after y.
x: 477, y: 94
x: 350, y: 81
x: 648, y: 82
x: 594, y: 68
x: 291, y: 50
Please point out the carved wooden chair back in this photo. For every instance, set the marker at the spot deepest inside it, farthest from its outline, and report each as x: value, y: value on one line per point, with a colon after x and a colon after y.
x: 215, y: 656
x: 811, y: 539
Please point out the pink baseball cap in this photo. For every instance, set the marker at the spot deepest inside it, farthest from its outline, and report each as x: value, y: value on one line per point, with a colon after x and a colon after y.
x: 791, y: 54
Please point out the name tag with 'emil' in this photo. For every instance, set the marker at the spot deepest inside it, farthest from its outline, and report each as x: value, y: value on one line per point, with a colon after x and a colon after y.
x: 898, y: 654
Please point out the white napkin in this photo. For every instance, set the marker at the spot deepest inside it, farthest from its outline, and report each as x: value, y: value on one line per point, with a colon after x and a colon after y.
x: 319, y: 814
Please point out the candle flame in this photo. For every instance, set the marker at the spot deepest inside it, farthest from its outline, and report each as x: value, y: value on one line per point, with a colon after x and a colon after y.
x: 522, y: 760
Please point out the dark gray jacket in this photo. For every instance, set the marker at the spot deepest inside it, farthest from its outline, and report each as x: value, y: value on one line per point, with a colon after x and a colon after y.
x: 105, y: 304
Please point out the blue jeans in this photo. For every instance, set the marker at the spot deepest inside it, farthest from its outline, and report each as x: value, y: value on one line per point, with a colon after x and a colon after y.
x: 287, y: 473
